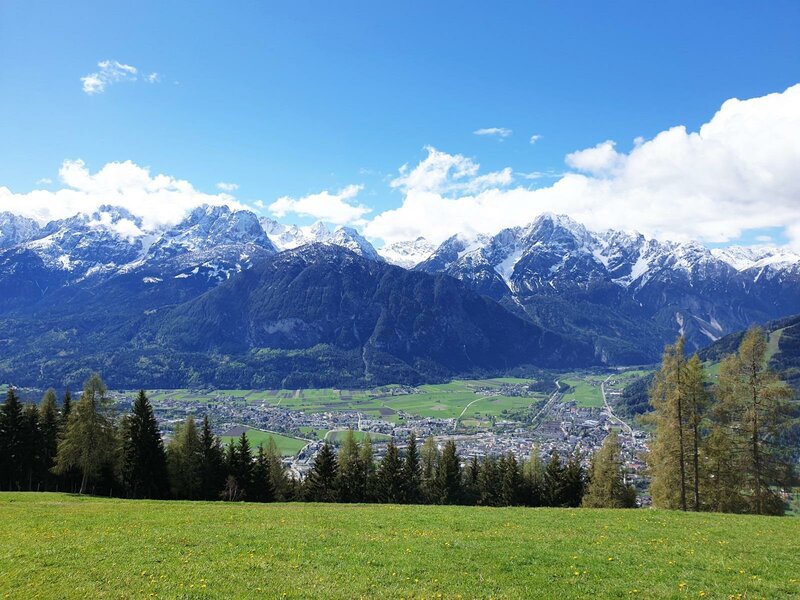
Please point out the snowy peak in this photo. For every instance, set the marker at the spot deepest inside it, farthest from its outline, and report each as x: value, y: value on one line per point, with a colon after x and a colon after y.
x: 407, y: 254
x: 15, y: 229
x: 288, y: 237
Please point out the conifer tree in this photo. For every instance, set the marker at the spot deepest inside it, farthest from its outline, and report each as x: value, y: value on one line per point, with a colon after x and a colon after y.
x: 574, y: 482
x: 448, y: 476
x: 66, y: 409
x: 411, y: 472
x: 534, y: 479
x: 489, y: 482
x: 351, y: 477
x: 430, y: 460
x: 320, y: 485
x: 553, y: 491
x: 472, y: 481
x: 667, y: 457
x: 512, y: 483
x: 282, y: 487
x: 212, y: 469
x: 696, y: 408
x: 185, y: 461
x: 89, y: 440
x: 757, y: 417
x: 244, y: 464
x: 261, y: 486
x: 367, y: 458
x: 390, y: 475
x: 31, y: 460
x: 606, y: 487
x: 144, y: 461
x: 10, y: 441
x: 50, y: 428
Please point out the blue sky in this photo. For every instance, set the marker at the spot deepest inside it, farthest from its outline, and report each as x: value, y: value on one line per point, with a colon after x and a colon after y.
x: 291, y: 99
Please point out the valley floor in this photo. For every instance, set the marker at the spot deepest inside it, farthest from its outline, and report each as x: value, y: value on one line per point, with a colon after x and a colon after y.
x: 61, y: 546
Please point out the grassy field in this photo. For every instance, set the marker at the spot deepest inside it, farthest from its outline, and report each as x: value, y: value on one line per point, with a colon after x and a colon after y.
x: 59, y: 546
x: 585, y: 391
x: 288, y: 446
x: 446, y: 400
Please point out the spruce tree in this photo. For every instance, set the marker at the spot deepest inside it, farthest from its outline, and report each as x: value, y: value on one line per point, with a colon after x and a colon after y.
x: 390, y: 476
x: 574, y: 482
x: 185, y: 462
x: 11, y: 442
x: 430, y: 460
x: 411, y: 472
x: 448, y: 475
x: 144, y: 461
x: 606, y: 487
x: 511, y: 482
x: 367, y: 458
x: 243, y: 470
x: 554, y: 493
x: 489, y: 482
x: 31, y: 463
x: 261, y: 483
x: 534, y: 479
x: 89, y: 440
x: 282, y: 486
x: 471, y: 481
x: 212, y: 466
x: 351, y: 477
x: 320, y: 485
x: 50, y: 427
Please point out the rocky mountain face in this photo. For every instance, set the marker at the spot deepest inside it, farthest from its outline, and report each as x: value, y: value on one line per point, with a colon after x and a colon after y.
x: 629, y: 294
x: 103, y: 281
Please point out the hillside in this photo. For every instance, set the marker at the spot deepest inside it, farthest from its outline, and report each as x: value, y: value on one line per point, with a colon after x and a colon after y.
x: 59, y: 546
x: 784, y: 348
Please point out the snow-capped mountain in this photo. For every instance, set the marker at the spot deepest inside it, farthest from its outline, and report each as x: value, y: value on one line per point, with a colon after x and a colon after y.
x: 15, y: 229
x: 288, y: 237
x: 407, y: 254
x: 611, y: 284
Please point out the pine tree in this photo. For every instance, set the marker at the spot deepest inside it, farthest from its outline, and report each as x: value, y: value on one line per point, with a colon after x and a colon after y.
x: 185, y: 461
x: 144, y: 461
x: 89, y: 440
x: 390, y: 476
x: 606, y: 487
x: 448, y: 476
x: 411, y: 472
x: 50, y: 428
x: 10, y: 442
x: 320, y: 485
x: 667, y: 456
x: 212, y: 467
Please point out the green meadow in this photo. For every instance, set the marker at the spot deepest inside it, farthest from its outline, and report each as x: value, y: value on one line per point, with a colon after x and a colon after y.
x: 60, y: 546
x: 287, y: 446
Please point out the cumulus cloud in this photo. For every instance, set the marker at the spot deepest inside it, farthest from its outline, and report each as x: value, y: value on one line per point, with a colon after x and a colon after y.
x: 499, y: 132
x: 227, y: 187
x: 737, y: 172
x: 334, y: 208
x: 535, y: 138
x: 159, y: 200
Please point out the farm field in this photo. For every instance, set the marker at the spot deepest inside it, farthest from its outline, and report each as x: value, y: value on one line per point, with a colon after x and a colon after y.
x: 288, y: 446
x: 61, y: 546
x: 446, y: 401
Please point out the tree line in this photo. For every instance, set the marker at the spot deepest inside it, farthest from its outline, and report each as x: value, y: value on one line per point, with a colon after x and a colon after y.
x: 80, y: 448
x: 726, y: 447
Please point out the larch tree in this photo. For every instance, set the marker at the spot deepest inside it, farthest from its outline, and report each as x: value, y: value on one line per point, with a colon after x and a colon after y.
x: 89, y: 440
x: 606, y: 487
x: 667, y: 456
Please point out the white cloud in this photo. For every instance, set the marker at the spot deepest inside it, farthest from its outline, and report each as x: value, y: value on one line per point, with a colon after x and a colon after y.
x: 110, y: 72
x: 158, y: 199
x: 500, y: 132
x: 44, y: 181
x: 738, y: 172
x: 325, y: 206
x: 535, y: 138
x: 227, y: 187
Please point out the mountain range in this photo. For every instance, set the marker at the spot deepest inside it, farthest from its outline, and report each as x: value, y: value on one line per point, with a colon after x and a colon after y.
x: 227, y: 298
